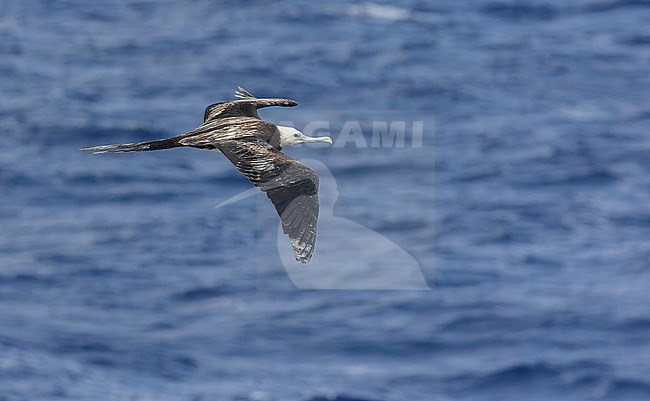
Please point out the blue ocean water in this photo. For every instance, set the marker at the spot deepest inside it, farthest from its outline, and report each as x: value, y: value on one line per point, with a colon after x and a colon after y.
x: 527, y: 208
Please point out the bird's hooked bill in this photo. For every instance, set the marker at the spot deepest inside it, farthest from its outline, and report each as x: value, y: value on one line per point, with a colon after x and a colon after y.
x: 319, y: 139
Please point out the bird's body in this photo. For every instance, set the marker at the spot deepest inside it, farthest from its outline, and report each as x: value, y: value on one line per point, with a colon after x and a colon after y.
x: 253, y: 146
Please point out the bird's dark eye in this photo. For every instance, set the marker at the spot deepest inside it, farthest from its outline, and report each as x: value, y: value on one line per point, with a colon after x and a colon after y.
x: 295, y: 135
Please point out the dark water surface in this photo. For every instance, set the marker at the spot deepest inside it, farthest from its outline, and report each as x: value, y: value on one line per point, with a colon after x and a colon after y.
x: 119, y: 280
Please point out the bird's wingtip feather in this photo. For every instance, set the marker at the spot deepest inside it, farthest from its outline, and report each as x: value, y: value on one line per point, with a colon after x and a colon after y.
x: 242, y: 93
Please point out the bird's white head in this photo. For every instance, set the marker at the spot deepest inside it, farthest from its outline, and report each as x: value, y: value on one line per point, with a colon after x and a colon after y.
x: 290, y: 136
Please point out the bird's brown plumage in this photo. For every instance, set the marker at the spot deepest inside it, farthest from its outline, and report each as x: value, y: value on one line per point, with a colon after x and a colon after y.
x: 253, y: 147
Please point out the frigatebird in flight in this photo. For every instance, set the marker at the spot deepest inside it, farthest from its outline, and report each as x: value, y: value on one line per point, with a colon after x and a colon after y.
x: 235, y: 129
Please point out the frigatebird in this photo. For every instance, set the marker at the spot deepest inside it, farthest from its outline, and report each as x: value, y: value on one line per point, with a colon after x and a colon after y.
x: 235, y: 129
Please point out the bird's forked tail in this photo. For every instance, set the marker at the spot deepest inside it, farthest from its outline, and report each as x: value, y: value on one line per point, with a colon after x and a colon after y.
x: 134, y: 147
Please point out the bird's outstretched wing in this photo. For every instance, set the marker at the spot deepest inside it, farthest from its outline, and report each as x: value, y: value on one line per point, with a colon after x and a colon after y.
x: 291, y: 186
x: 246, y: 106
